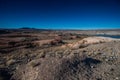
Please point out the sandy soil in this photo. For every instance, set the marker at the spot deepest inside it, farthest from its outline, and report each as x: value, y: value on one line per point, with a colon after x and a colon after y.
x: 94, y: 62
x: 52, y: 55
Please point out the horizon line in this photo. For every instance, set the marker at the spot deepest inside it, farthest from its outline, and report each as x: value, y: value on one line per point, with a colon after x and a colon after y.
x: 63, y: 29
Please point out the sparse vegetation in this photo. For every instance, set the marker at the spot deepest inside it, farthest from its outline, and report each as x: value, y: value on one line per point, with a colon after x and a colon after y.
x: 30, y: 54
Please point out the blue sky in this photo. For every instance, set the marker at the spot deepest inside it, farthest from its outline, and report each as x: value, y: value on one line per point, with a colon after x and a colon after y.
x: 60, y: 14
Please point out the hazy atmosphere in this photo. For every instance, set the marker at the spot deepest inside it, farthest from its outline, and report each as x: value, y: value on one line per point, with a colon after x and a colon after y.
x: 60, y: 14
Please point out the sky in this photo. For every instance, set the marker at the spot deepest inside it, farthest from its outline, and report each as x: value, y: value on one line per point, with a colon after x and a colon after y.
x: 60, y: 14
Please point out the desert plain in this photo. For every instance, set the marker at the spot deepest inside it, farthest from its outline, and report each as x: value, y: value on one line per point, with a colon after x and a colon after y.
x: 42, y: 54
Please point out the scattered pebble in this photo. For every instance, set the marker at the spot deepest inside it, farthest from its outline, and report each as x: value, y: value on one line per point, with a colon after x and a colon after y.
x: 116, y: 78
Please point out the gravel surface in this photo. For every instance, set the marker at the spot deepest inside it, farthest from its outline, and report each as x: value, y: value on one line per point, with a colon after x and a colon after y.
x: 94, y: 62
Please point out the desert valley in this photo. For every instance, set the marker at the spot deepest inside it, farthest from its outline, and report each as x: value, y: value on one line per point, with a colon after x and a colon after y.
x: 38, y: 54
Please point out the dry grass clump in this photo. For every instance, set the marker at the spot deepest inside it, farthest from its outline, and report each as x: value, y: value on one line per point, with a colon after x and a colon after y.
x: 10, y: 62
x: 34, y: 63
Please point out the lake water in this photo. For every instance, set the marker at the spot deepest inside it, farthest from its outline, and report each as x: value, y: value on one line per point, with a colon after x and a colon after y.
x: 111, y: 36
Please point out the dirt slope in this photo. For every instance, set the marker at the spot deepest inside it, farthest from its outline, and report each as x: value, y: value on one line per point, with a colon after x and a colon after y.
x: 95, y: 62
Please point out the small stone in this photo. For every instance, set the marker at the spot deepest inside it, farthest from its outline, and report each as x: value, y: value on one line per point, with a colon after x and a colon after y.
x: 106, y: 59
x: 99, y: 79
x: 116, y: 78
x: 111, y: 69
x: 92, y: 66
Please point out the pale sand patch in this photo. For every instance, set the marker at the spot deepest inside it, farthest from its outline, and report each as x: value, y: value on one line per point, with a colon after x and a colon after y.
x: 90, y: 40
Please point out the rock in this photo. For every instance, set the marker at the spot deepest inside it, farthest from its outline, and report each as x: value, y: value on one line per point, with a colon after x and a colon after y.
x: 10, y: 62
x: 89, y: 40
x: 116, y: 78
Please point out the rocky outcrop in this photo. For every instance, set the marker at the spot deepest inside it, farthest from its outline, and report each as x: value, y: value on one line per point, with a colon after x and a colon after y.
x: 89, y: 40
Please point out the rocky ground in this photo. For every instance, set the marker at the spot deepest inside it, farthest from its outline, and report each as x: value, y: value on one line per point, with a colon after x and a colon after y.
x: 51, y: 55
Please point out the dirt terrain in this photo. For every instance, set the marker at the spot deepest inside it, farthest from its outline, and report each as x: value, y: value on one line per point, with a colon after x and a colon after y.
x: 32, y: 54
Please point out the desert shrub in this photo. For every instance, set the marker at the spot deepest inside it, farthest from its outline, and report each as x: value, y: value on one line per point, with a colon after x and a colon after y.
x: 57, y: 41
x: 12, y: 43
x: 31, y: 45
